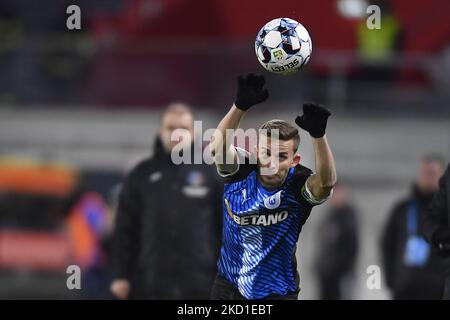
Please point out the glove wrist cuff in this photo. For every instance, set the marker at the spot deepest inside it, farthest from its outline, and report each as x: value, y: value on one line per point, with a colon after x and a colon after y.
x: 241, y: 107
x: 317, y: 135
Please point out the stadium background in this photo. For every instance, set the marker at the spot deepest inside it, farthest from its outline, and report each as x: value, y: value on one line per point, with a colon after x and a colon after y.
x: 79, y: 108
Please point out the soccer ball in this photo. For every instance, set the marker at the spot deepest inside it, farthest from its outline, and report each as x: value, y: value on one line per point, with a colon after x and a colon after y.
x: 283, y: 46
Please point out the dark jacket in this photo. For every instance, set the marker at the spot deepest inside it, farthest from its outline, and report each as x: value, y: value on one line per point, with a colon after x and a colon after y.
x: 338, y: 240
x: 167, y: 232
x: 438, y: 213
x: 407, y: 281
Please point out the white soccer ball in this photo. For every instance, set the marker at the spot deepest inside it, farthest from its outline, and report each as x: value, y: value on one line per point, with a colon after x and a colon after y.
x: 283, y: 46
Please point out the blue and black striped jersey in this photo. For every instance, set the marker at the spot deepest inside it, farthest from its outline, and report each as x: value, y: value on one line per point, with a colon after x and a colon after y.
x: 261, y: 229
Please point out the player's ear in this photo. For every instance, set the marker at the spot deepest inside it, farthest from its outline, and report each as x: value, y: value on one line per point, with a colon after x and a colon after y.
x: 295, y: 160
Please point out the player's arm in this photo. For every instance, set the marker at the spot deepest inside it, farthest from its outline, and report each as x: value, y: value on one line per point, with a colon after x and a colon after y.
x: 223, y: 152
x: 322, y: 182
x: 314, y: 120
x: 250, y: 92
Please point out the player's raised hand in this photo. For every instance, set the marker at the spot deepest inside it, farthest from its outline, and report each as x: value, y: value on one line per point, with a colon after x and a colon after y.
x: 314, y: 119
x: 250, y: 91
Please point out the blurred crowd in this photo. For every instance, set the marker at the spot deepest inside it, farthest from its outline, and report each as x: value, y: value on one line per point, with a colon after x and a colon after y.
x: 43, y: 63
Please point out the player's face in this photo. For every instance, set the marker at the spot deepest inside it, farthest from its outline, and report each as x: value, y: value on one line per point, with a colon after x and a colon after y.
x: 428, y: 176
x: 275, y: 158
x: 172, y: 121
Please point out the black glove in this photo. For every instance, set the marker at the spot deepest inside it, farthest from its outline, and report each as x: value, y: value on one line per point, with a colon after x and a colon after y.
x: 250, y: 91
x: 314, y: 119
x: 441, y: 239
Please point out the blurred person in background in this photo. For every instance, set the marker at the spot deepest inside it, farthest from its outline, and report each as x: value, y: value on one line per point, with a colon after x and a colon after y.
x: 89, y: 226
x: 43, y: 61
x: 338, y: 247
x: 412, y: 268
x: 436, y: 226
x: 377, y: 48
x: 167, y: 229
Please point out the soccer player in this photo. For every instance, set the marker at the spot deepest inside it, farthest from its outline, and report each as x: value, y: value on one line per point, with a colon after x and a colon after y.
x: 264, y: 213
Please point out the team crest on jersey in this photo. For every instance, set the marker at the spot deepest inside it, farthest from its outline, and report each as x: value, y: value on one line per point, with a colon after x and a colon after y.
x: 273, y: 201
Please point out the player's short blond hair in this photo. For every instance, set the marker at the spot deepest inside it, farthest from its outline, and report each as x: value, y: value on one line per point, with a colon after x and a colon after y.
x: 286, y: 131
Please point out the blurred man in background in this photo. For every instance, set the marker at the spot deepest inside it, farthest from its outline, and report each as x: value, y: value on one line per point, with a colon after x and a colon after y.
x: 338, y: 246
x: 412, y: 268
x: 167, y: 233
x: 436, y: 226
x: 377, y: 48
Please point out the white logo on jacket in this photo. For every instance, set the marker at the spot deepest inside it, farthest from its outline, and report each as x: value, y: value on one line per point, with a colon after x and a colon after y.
x: 155, y: 176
